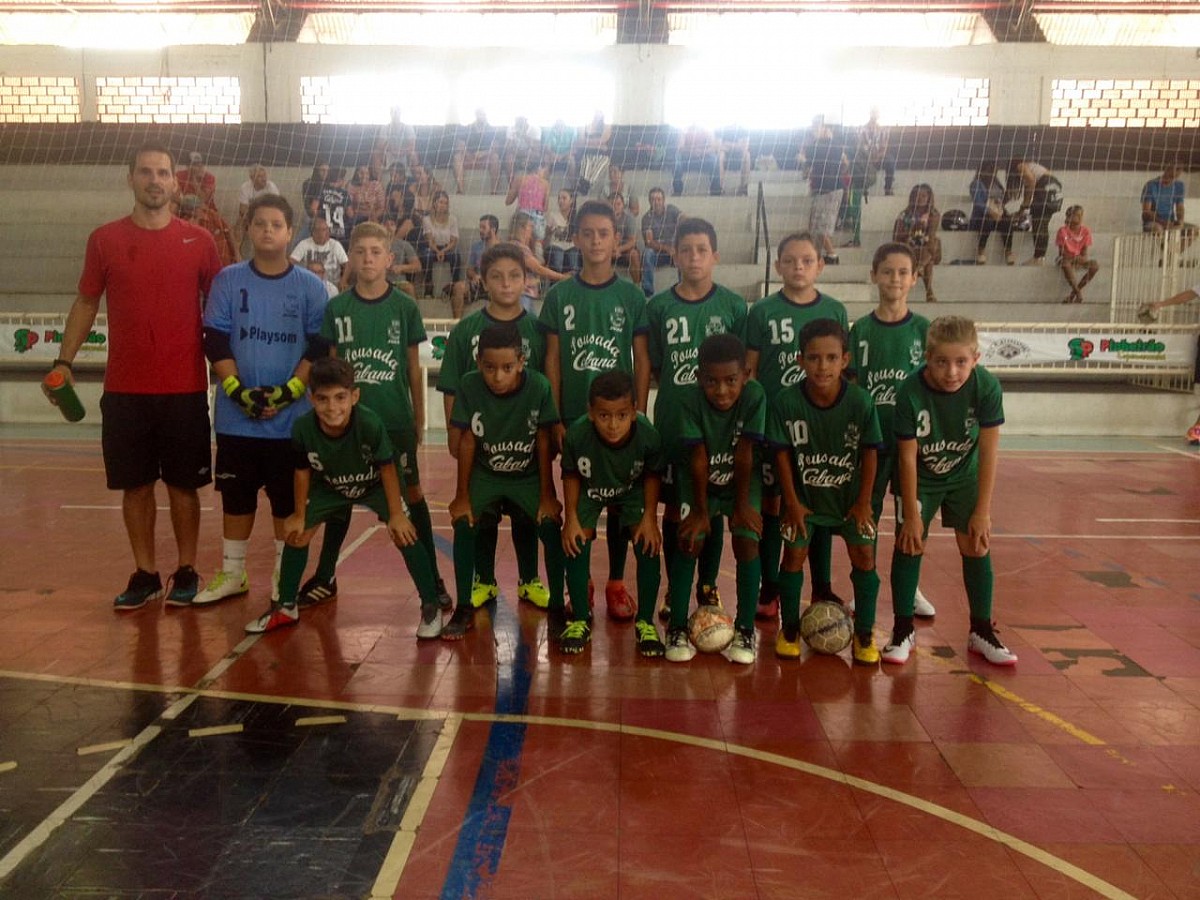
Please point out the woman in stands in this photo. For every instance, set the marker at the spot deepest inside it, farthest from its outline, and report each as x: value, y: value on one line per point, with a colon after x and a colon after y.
x: 561, y: 253
x: 530, y: 190
x: 917, y: 227
x: 988, y: 213
x: 366, y: 196
x: 1039, y: 191
x: 439, y: 241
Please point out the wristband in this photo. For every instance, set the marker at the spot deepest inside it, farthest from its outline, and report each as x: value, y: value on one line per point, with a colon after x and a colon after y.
x: 231, y: 384
x: 65, y: 363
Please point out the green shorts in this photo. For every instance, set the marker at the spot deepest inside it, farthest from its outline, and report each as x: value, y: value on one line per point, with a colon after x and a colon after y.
x: 884, y: 479
x: 325, y: 505
x: 493, y: 496
x: 846, y: 529
x: 630, y: 504
x: 405, y: 442
x: 722, y: 504
x: 957, y: 503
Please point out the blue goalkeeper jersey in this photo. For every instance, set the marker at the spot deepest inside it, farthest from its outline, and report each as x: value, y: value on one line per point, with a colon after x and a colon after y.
x: 269, y: 319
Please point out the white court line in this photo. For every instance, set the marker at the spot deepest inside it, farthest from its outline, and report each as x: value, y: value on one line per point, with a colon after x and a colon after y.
x: 1182, y: 521
x: 1189, y: 454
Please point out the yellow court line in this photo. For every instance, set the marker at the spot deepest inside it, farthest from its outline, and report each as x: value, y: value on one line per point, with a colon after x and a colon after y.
x: 1043, y: 714
x: 213, y: 730
x: 308, y: 721
x: 103, y: 748
x: 8, y: 766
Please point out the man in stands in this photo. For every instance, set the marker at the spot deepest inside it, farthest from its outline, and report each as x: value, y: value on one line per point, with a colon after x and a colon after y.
x: 197, y: 180
x: 489, y: 236
x: 320, y: 247
x: 697, y: 149
x: 521, y: 143
x: 397, y: 142
x: 658, y: 231
x: 827, y: 165
x: 476, y: 147
x: 1162, y: 206
x: 255, y: 186
x: 193, y: 209
x: 154, y: 271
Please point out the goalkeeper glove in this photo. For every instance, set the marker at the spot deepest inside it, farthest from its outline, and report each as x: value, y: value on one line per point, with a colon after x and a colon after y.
x: 281, y: 395
x: 246, y: 399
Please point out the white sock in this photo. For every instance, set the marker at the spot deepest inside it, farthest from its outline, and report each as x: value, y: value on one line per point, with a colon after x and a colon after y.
x: 233, y: 556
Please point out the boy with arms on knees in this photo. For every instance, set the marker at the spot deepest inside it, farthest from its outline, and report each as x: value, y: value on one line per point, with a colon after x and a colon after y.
x: 505, y: 413
x: 612, y: 458
x: 343, y: 457
x: 722, y: 419
x: 594, y: 322
x: 377, y: 328
x: 948, y: 418
x: 886, y: 347
x: 825, y: 433
x: 679, y: 319
x: 261, y: 333
x: 772, y: 353
x: 502, y: 269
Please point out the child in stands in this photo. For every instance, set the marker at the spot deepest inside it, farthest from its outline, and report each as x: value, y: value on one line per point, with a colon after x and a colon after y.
x: 1073, y: 241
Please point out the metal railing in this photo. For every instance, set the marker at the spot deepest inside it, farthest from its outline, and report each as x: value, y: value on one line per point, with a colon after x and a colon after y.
x: 1150, y: 267
x: 762, y: 237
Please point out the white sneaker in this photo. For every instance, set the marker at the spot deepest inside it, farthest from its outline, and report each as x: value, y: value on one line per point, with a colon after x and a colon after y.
x: 923, y: 608
x: 988, y: 645
x: 679, y: 648
x: 430, y: 625
x: 742, y: 649
x: 896, y: 652
x: 221, y: 586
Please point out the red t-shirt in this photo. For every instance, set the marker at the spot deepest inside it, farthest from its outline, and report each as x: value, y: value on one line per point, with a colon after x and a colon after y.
x: 204, y: 190
x: 153, y: 282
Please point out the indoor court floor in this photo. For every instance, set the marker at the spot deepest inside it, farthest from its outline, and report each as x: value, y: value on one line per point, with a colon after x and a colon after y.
x: 164, y: 753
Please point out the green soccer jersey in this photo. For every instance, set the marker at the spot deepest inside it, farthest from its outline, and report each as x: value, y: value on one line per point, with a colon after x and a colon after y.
x: 347, y: 464
x: 825, y: 445
x: 374, y: 337
x: 882, y: 356
x: 462, y: 346
x: 609, y: 473
x: 701, y: 423
x: 946, y: 426
x: 505, y: 427
x: 595, y: 325
x: 773, y: 329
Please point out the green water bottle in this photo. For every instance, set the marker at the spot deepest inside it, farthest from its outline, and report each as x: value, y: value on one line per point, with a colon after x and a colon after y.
x: 62, y: 394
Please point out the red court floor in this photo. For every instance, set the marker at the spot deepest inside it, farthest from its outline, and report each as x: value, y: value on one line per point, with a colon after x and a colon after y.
x: 163, y: 753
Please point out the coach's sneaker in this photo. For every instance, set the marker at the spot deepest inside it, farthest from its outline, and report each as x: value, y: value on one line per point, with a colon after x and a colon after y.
x: 742, y: 650
x: 923, y: 608
x: 575, y: 637
x: 984, y: 641
x: 864, y: 651
x: 768, y: 603
x: 902, y: 642
x: 483, y: 592
x: 460, y: 623
x: 142, y: 588
x: 787, y: 642
x: 621, y: 607
x: 430, y: 625
x: 445, y: 603
x: 533, y: 591
x: 221, y: 586
x: 184, y: 583
x: 679, y: 648
x: 316, y: 591
x: 278, y: 616
x: 649, y: 644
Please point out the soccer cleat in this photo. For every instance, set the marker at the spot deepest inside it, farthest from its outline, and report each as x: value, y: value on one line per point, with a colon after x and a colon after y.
x: 649, y: 644
x: 430, y: 625
x: 460, y: 623
x: 222, y: 585
x: 483, y: 592
x: 576, y: 636
x: 142, y: 588
x: 708, y: 595
x: 787, y: 642
x: 444, y: 601
x: 278, y: 616
x: 532, y: 591
x: 864, y: 651
x: 621, y: 607
x: 183, y: 585
x: 679, y: 648
x: 316, y: 591
x: 1193, y: 434
x: 984, y: 641
x: 742, y: 650
x: 768, y: 603
x: 923, y: 608
x: 899, y: 647
x: 556, y: 622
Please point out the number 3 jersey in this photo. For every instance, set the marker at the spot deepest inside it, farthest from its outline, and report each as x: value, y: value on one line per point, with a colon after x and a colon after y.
x: 504, y: 426
x: 347, y: 464
x: 946, y: 426
x: 609, y: 473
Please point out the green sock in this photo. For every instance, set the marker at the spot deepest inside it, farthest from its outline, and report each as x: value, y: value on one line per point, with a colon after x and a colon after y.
x: 679, y: 587
x: 820, y: 551
x: 525, y: 541
x: 709, y: 559
x: 906, y: 574
x: 578, y: 571
x: 418, y: 513
x: 464, y: 561
x: 331, y: 546
x: 291, y: 569
x: 866, y: 594
x: 550, y: 533
x: 670, y: 533
x: 420, y: 569
x: 790, y: 586
x: 749, y: 579
x: 769, y: 549
x: 487, y: 535
x: 977, y: 576
x: 618, y: 545
x: 649, y: 579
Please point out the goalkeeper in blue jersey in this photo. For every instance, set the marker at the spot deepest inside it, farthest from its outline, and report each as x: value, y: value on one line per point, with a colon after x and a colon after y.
x: 261, y: 332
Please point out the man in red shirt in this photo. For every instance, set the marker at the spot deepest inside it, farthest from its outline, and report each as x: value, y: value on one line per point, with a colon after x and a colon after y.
x: 196, y: 179
x: 154, y: 270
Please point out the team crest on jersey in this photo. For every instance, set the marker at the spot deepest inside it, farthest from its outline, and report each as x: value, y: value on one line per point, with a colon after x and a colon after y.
x: 368, y: 455
x: 291, y: 306
x: 616, y: 320
x: 393, y: 332
x: 526, y: 349
x: 852, y: 436
x: 915, y: 353
x: 971, y: 422
x: 715, y: 325
x: 636, y: 471
x: 532, y: 421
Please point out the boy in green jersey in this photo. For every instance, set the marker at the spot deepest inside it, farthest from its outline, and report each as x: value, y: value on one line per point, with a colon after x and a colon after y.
x: 773, y: 355
x: 378, y: 330
x: 595, y: 322
x: 825, y: 433
x: 612, y: 458
x: 948, y: 418
x: 679, y: 320
x: 885, y: 348
x: 722, y: 419
x: 505, y: 413
x: 502, y: 269
x: 343, y: 457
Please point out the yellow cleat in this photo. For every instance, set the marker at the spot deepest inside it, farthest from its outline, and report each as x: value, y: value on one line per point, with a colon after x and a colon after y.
x: 533, y: 591
x: 787, y: 642
x: 864, y: 651
x: 482, y: 592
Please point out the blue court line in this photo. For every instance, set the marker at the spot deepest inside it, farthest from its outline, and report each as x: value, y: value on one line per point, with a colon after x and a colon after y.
x: 485, y: 825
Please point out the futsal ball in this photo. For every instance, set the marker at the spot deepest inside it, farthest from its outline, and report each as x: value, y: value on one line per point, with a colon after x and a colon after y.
x: 710, y: 629
x: 826, y: 627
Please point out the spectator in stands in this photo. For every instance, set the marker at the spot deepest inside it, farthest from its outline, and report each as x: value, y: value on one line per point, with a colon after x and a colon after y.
x: 489, y: 236
x: 396, y: 143
x: 697, y: 150
x: 988, y: 213
x: 917, y: 226
x: 618, y: 185
x: 1031, y: 182
x: 258, y: 184
x: 334, y: 207
x: 397, y: 202
x: 531, y: 192
x: 558, y: 143
x: 320, y: 247
x: 521, y: 234
x: 522, y: 144
x: 627, y: 238
x: 874, y: 139
x: 1073, y: 241
x: 195, y: 210
x: 422, y: 188
x: 310, y: 196
x: 827, y: 167
x: 593, y: 152
x: 1162, y: 206
x: 658, y: 232
x: 197, y: 180
x: 367, y: 199
x: 733, y: 146
x: 406, y: 264
x: 477, y: 145
x: 439, y: 242
x: 561, y: 253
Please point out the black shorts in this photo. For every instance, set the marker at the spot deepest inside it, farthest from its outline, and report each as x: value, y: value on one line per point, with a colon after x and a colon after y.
x: 245, y: 464
x: 145, y: 437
